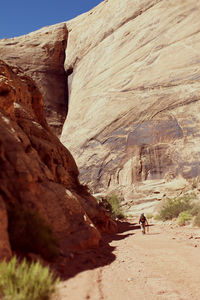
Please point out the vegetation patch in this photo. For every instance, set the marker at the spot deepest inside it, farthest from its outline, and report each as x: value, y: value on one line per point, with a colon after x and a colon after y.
x: 195, y: 210
x: 157, y: 217
x: 113, y: 204
x: 197, y: 219
x: 24, y: 281
x: 173, y: 207
x: 184, y: 208
x: 183, y: 217
x: 149, y: 215
x: 29, y: 233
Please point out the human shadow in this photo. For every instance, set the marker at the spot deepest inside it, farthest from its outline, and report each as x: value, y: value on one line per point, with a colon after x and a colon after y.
x: 73, y: 263
x: 127, y: 226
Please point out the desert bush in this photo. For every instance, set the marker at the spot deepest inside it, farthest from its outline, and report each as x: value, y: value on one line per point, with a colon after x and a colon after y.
x: 112, y: 204
x: 149, y: 215
x: 173, y: 207
x: 157, y: 217
x: 197, y: 220
x: 183, y: 217
x: 116, y: 210
x: 24, y: 281
x: 195, y: 209
x: 28, y: 232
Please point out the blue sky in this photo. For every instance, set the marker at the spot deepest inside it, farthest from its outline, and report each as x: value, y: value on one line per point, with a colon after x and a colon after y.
x: 18, y: 17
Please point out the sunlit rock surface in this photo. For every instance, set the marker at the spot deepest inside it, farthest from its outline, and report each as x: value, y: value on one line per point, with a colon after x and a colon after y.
x: 41, y: 56
x: 134, y: 103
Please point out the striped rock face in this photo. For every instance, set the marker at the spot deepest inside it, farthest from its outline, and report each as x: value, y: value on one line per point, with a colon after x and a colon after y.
x: 135, y: 95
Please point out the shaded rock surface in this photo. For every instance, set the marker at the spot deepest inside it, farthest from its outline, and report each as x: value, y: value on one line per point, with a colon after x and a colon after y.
x: 5, y: 249
x: 134, y: 103
x: 37, y: 172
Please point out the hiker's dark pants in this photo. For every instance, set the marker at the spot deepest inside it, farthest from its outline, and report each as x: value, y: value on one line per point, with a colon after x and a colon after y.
x: 142, y: 226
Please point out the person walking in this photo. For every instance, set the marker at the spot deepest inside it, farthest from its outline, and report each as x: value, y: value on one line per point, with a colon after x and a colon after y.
x: 143, y: 223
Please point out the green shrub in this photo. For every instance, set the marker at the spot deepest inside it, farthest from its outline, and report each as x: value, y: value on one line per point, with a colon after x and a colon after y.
x: 183, y: 217
x: 197, y: 220
x: 112, y: 204
x: 149, y: 215
x: 26, y: 281
x: 195, y: 210
x: 116, y: 210
x: 28, y: 232
x: 173, y: 207
x: 157, y: 217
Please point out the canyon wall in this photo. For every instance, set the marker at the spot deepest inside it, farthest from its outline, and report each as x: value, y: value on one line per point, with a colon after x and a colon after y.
x: 38, y: 174
x: 133, y: 73
x: 133, y: 122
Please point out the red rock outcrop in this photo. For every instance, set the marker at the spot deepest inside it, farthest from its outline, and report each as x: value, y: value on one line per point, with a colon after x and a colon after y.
x: 5, y: 249
x: 41, y: 56
x: 38, y: 173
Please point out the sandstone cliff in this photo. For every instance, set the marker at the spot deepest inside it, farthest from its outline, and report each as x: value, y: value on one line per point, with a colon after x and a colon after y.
x: 38, y: 173
x: 134, y: 106
x: 133, y: 114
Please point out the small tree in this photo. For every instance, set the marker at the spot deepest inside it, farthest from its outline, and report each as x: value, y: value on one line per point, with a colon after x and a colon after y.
x: 112, y: 204
x: 24, y: 281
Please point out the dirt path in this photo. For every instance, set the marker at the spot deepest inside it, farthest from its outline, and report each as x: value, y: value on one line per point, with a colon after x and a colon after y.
x: 163, y: 264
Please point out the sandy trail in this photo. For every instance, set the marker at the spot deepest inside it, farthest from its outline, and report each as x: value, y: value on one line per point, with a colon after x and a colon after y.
x: 163, y: 264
